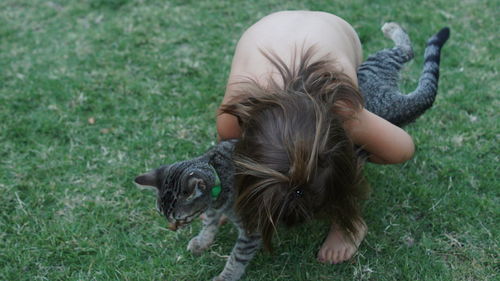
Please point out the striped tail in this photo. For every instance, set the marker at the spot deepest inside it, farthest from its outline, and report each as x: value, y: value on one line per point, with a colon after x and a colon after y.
x: 423, y: 97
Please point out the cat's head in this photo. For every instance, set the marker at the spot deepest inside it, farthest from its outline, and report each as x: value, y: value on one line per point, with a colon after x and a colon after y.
x: 183, y: 190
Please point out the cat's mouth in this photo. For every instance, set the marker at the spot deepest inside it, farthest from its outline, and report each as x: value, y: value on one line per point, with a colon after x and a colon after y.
x: 178, y: 224
x: 174, y: 226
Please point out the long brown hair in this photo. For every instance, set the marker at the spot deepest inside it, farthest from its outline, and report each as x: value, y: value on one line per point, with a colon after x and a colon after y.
x: 294, y: 160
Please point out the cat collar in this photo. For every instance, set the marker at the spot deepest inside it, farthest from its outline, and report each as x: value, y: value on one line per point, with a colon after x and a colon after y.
x: 217, y: 189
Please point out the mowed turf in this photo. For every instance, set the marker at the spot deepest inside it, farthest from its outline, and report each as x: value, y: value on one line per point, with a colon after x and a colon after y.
x: 94, y: 92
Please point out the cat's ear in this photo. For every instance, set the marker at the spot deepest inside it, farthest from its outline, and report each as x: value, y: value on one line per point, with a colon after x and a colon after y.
x: 152, y: 178
x: 196, y: 187
x: 148, y: 179
x: 197, y: 184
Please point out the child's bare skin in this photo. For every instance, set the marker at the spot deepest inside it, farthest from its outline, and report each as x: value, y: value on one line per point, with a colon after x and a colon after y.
x: 331, y: 36
x: 337, y: 247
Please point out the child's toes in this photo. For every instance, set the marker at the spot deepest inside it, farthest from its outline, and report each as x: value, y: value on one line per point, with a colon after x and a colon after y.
x: 322, y: 255
x: 349, y: 253
x: 335, y: 257
x: 342, y: 255
x: 331, y: 256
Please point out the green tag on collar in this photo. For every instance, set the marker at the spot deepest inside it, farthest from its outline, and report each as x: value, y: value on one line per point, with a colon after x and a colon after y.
x: 217, y: 189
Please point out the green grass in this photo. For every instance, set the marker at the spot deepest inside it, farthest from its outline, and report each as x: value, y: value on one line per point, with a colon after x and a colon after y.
x: 152, y: 73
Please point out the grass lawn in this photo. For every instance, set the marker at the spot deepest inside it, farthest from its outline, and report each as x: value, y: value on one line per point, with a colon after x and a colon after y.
x: 94, y: 92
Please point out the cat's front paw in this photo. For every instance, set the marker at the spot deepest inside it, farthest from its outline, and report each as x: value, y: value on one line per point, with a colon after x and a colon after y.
x: 219, y: 278
x: 197, y: 245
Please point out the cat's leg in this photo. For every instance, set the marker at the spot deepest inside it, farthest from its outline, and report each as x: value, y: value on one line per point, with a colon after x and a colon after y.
x: 378, y: 76
x: 400, y: 38
x: 204, y: 239
x: 222, y: 221
x: 244, y: 250
x: 382, y: 68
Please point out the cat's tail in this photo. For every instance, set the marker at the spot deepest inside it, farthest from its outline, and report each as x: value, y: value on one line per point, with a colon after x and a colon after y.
x: 424, y: 95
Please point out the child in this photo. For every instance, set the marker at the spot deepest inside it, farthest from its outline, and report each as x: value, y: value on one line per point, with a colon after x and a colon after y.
x: 292, y: 100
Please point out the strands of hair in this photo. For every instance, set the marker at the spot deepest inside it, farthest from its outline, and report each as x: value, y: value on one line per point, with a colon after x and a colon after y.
x: 294, y: 161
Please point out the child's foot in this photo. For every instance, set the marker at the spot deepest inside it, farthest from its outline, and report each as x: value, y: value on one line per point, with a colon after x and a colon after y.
x: 337, y: 247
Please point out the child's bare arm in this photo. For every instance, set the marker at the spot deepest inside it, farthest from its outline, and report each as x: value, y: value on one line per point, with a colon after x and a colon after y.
x: 228, y: 127
x: 387, y: 143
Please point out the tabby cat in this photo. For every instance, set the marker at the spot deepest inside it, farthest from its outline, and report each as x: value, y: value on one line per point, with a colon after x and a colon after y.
x: 188, y: 188
x: 378, y: 77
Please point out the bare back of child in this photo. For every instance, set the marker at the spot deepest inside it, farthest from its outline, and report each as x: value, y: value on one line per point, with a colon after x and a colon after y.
x: 286, y: 35
x: 294, y: 75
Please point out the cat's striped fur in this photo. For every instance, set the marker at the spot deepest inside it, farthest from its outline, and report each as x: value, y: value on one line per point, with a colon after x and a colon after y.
x: 378, y: 77
x: 184, y: 188
x: 184, y: 191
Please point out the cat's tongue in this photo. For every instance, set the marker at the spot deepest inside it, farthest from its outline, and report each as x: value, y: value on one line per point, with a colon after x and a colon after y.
x: 175, y: 225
